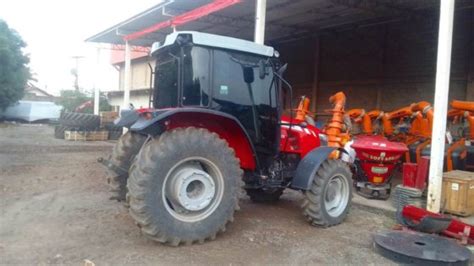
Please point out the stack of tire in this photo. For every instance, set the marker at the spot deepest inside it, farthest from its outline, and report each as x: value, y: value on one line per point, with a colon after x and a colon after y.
x: 114, y: 131
x: 70, y: 121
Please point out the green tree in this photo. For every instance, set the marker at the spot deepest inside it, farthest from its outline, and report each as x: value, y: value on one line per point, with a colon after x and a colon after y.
x: 14, y: 72
x: 71, y: 99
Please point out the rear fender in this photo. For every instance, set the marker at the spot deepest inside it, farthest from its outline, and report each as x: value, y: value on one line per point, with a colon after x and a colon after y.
x: 127, y: 118
x: 224, y: 125
x: 309, y: 165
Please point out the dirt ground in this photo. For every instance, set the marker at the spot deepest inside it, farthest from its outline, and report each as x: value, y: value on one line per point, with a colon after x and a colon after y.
x: 55, y: 209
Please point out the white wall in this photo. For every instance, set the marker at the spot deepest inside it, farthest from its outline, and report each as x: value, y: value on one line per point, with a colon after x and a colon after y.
x: 140, y: 73
x: 137, y: 100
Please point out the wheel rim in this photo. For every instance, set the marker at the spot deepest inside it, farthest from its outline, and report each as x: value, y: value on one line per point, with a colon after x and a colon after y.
x: 336, y: 196
x: 193, y: 189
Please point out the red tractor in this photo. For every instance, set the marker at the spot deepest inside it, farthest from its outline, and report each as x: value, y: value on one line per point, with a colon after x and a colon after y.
x: 217, y: 125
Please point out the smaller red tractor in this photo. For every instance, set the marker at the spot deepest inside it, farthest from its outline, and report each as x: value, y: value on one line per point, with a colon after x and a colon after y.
x: 217, y: 125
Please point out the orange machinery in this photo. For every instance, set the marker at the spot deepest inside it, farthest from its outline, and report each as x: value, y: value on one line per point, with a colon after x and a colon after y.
x: 335, y: 129
x: 303, y: 109
x: 387, y: 119
x: 419, y: 135
x: 421, y: 132
x: 360, y: 116
x: 467, y: 109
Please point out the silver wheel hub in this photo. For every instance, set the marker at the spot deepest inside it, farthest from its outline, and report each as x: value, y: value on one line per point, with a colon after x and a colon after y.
x: 337, y: 195
x: 193, y: 189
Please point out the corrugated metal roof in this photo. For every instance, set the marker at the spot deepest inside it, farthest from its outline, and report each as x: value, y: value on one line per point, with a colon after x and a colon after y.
x: 285, y: 18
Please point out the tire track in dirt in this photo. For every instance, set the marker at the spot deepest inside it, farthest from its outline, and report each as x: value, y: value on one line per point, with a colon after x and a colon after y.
x: 19, y: 149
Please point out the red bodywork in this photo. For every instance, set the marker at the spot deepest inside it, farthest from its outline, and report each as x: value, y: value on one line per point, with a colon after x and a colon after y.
x: 378, y: 156
x: 301, y: 140
x: 224, y: 127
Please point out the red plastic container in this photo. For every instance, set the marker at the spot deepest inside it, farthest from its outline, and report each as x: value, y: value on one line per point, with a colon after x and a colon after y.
x: 409, y: 174
x: 422, y: 173
x: 378, y: 156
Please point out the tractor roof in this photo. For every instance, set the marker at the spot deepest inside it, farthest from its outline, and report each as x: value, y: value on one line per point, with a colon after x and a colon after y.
x: 218, y: 41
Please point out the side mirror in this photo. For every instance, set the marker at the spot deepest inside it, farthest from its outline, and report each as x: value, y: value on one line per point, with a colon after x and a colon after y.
x: 262, y: 69
x: 248, y: 75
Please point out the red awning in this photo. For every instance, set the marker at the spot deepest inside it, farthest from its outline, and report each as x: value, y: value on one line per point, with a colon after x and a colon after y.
x: 184, y: 18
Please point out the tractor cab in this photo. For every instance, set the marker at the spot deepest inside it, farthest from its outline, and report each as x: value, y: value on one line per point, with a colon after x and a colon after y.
x: 222, y: 74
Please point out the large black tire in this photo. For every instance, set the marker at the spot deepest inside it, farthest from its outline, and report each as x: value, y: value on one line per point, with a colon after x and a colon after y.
x: 112, y: 127
x: 80, y: 120
x: 264, y: 195
x: 315, y: 206
x: 151, y: 203
x: 59, y: 131
x: 115, y: 134
x: 122, y: 156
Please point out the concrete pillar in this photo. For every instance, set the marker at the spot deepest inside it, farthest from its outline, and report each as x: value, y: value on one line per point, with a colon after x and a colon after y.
x: 260, y: 12
x: 96, y: 81
x: 127, y: 81
x: 443, y: 68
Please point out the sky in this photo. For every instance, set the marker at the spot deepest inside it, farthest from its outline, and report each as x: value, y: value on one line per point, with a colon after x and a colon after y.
x: 55, y: 31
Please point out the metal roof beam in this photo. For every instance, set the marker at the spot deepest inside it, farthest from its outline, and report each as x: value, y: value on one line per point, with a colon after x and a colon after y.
x: 375, y: 7
x: 240, y: 22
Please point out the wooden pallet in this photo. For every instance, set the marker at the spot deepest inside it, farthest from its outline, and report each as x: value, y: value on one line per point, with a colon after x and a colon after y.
x: 107, y: 117
x: 86, y: 135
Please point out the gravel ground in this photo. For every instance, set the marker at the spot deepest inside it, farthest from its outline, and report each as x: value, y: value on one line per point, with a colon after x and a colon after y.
x: 54, y: 209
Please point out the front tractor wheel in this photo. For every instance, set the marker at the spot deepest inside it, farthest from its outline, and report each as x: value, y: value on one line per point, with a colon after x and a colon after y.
x: 328, y: 200
x: 183, y: 188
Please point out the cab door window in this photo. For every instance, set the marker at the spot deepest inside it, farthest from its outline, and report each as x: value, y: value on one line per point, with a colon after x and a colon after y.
x: 196, y: 69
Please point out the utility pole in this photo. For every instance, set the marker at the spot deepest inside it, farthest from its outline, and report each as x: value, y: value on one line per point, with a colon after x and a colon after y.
x: 75, y: 71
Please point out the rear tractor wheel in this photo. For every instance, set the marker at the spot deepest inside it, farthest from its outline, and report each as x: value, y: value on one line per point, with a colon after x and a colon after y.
x: 184, y: 187
x: 328, y: 200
